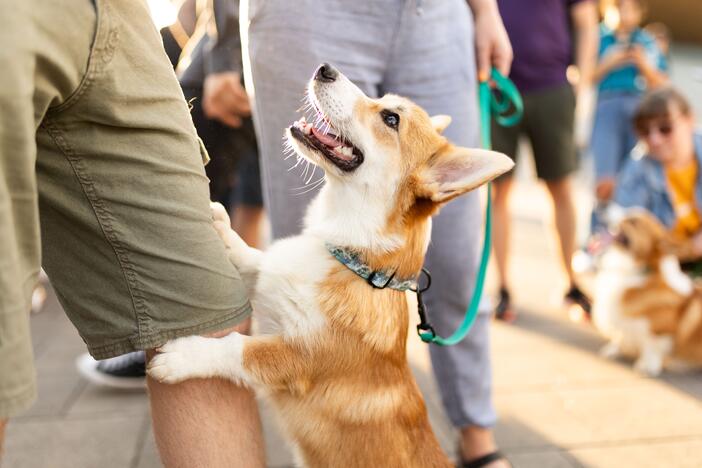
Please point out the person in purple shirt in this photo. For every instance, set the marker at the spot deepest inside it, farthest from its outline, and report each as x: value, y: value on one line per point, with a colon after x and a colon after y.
x: 547, y: 37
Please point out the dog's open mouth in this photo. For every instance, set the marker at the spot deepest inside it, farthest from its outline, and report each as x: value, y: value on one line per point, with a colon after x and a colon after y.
x: 339, y: 151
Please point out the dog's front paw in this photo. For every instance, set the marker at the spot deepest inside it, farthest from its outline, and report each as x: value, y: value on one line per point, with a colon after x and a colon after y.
x: 219, y: 213
x: 611, y: 351
x: 649, y: 365
x: 182, y: 359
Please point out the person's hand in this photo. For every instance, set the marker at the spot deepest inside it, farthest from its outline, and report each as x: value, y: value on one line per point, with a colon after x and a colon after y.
x: 616, y: 58
x: 637, y: 55
x: 225, y: 99
x: 491, y: 42
x: 605, y: 189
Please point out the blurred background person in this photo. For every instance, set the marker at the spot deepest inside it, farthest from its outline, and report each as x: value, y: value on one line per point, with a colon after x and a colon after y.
x: 667, y: 180
x: 661, y: 33
x: 547, y: 37
x: 629, y: 63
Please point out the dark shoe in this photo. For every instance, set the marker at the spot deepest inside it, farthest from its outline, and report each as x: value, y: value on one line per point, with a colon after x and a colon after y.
x: 127, y: 371
x: 577, y: 297
x: 483, y: 461
x: 504, y: 310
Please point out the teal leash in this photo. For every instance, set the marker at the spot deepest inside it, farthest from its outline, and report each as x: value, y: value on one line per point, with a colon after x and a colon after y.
x: 491, y: 103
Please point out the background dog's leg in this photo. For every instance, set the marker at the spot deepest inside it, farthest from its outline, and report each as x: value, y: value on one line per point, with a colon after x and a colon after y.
x: 654, y: 351
x: 611, y: 350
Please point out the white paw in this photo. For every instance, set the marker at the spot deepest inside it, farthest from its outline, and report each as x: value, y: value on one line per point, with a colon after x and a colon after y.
x: 651, y: 366
x: 184, y: 358
x: 219, y: 213
x: 610, y: 351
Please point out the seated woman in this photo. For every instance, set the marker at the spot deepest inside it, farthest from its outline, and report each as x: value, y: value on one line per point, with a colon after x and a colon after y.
x: 667, y: 180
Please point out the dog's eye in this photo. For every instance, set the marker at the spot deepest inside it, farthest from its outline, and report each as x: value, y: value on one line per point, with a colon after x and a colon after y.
x: 390, y: 119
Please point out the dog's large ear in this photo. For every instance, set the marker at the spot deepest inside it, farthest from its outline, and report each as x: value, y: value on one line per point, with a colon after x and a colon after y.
x: 457, y: 170
x: 440, y: 122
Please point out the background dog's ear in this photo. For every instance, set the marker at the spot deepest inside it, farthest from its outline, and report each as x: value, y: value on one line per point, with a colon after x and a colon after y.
x: 459, y: 170
x: 440, y: 122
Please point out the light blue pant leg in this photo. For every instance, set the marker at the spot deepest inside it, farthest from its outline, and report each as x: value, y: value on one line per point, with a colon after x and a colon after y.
x: 287, y: 41
x: 612, y: 140
x: 384, y: 45
x: 433, y: 64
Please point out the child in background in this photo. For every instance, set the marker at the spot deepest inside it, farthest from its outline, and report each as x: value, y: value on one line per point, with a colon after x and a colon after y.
x: 661, y: 33
x: 630, y: 62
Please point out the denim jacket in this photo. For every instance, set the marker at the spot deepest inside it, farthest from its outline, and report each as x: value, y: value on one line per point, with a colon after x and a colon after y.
x: 642, y: 183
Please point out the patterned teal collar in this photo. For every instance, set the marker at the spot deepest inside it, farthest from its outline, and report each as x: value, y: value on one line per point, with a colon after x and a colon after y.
x: 378, y: 279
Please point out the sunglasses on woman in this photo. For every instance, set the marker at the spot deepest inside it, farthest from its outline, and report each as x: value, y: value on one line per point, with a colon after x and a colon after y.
x: 663, y: 128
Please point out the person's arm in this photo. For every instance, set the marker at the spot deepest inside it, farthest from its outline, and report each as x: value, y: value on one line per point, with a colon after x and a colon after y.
x: 587, y: 38
x: 654, y: 77
x: 613, y: 59
x: 491, y: 41
x: 631, y: 188
x: 224, y: 97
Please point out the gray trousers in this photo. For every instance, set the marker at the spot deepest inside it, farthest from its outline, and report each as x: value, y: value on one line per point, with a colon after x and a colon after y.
x: 421, y: 50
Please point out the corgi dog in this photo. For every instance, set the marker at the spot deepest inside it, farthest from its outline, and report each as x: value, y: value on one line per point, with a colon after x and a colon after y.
x: 644, y: 303
x: 335, y: 364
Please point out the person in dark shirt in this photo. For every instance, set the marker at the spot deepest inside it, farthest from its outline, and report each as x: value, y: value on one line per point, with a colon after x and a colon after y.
x: 547, y: 37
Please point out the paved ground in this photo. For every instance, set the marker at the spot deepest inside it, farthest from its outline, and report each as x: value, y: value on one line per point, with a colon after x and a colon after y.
x: 560, y: 404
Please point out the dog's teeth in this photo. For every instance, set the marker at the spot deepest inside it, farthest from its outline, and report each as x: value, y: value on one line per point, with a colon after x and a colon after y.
x: 344, y: 151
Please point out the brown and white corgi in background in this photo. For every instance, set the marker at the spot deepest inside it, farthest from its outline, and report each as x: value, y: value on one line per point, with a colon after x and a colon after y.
x: 335, y: 365
x: 644, y: 303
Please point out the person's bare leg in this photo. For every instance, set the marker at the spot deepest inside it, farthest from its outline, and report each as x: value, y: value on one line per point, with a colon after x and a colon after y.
x: 501, y: 227
x: 206, y: 422
x: 247, y: 221
x: 561, y: 191
x: 3, y: 423
x: 477, y: 442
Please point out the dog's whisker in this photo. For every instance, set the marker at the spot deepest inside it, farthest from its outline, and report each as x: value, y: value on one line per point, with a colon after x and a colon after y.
x: 314, y: 169
x: 309, y: 188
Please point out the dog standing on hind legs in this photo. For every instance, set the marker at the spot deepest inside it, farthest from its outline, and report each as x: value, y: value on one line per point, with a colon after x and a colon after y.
x: 335, y: 363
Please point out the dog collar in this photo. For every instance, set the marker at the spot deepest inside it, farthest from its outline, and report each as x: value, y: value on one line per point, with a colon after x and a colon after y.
x: 377, y: 278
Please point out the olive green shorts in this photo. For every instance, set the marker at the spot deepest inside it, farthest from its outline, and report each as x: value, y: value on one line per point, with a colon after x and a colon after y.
x: 101, y: 182
x: 548, y: 123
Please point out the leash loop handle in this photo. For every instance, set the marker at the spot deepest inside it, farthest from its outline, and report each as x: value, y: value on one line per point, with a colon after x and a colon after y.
x: 497, y: 102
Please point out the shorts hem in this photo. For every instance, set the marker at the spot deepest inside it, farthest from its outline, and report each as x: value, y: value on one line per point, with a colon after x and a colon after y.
x: 18, y: 403
x: 153, y: 340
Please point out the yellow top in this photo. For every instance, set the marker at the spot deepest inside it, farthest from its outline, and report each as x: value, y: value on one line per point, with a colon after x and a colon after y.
x: 681, y: 183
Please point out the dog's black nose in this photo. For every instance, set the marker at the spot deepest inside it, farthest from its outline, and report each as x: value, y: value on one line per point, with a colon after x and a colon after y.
x: 326, y: 73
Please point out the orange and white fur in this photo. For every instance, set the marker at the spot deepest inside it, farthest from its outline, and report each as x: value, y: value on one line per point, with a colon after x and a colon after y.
x: 644, y: 303
x: 335, y: 364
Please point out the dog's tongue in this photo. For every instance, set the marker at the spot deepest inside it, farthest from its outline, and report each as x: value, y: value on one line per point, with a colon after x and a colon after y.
x: 326, y: 138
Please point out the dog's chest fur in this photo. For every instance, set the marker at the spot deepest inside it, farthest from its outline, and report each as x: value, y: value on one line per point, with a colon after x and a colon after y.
x: 285, y: 297
x: 619, y: 273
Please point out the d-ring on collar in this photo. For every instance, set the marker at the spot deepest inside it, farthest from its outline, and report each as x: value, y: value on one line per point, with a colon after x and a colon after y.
x: 379, y: 279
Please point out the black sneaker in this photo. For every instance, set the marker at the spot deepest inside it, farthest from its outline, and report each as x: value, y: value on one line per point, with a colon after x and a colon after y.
x: 577, y: 297
x: 504, y: 310
x: 127, y: 371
